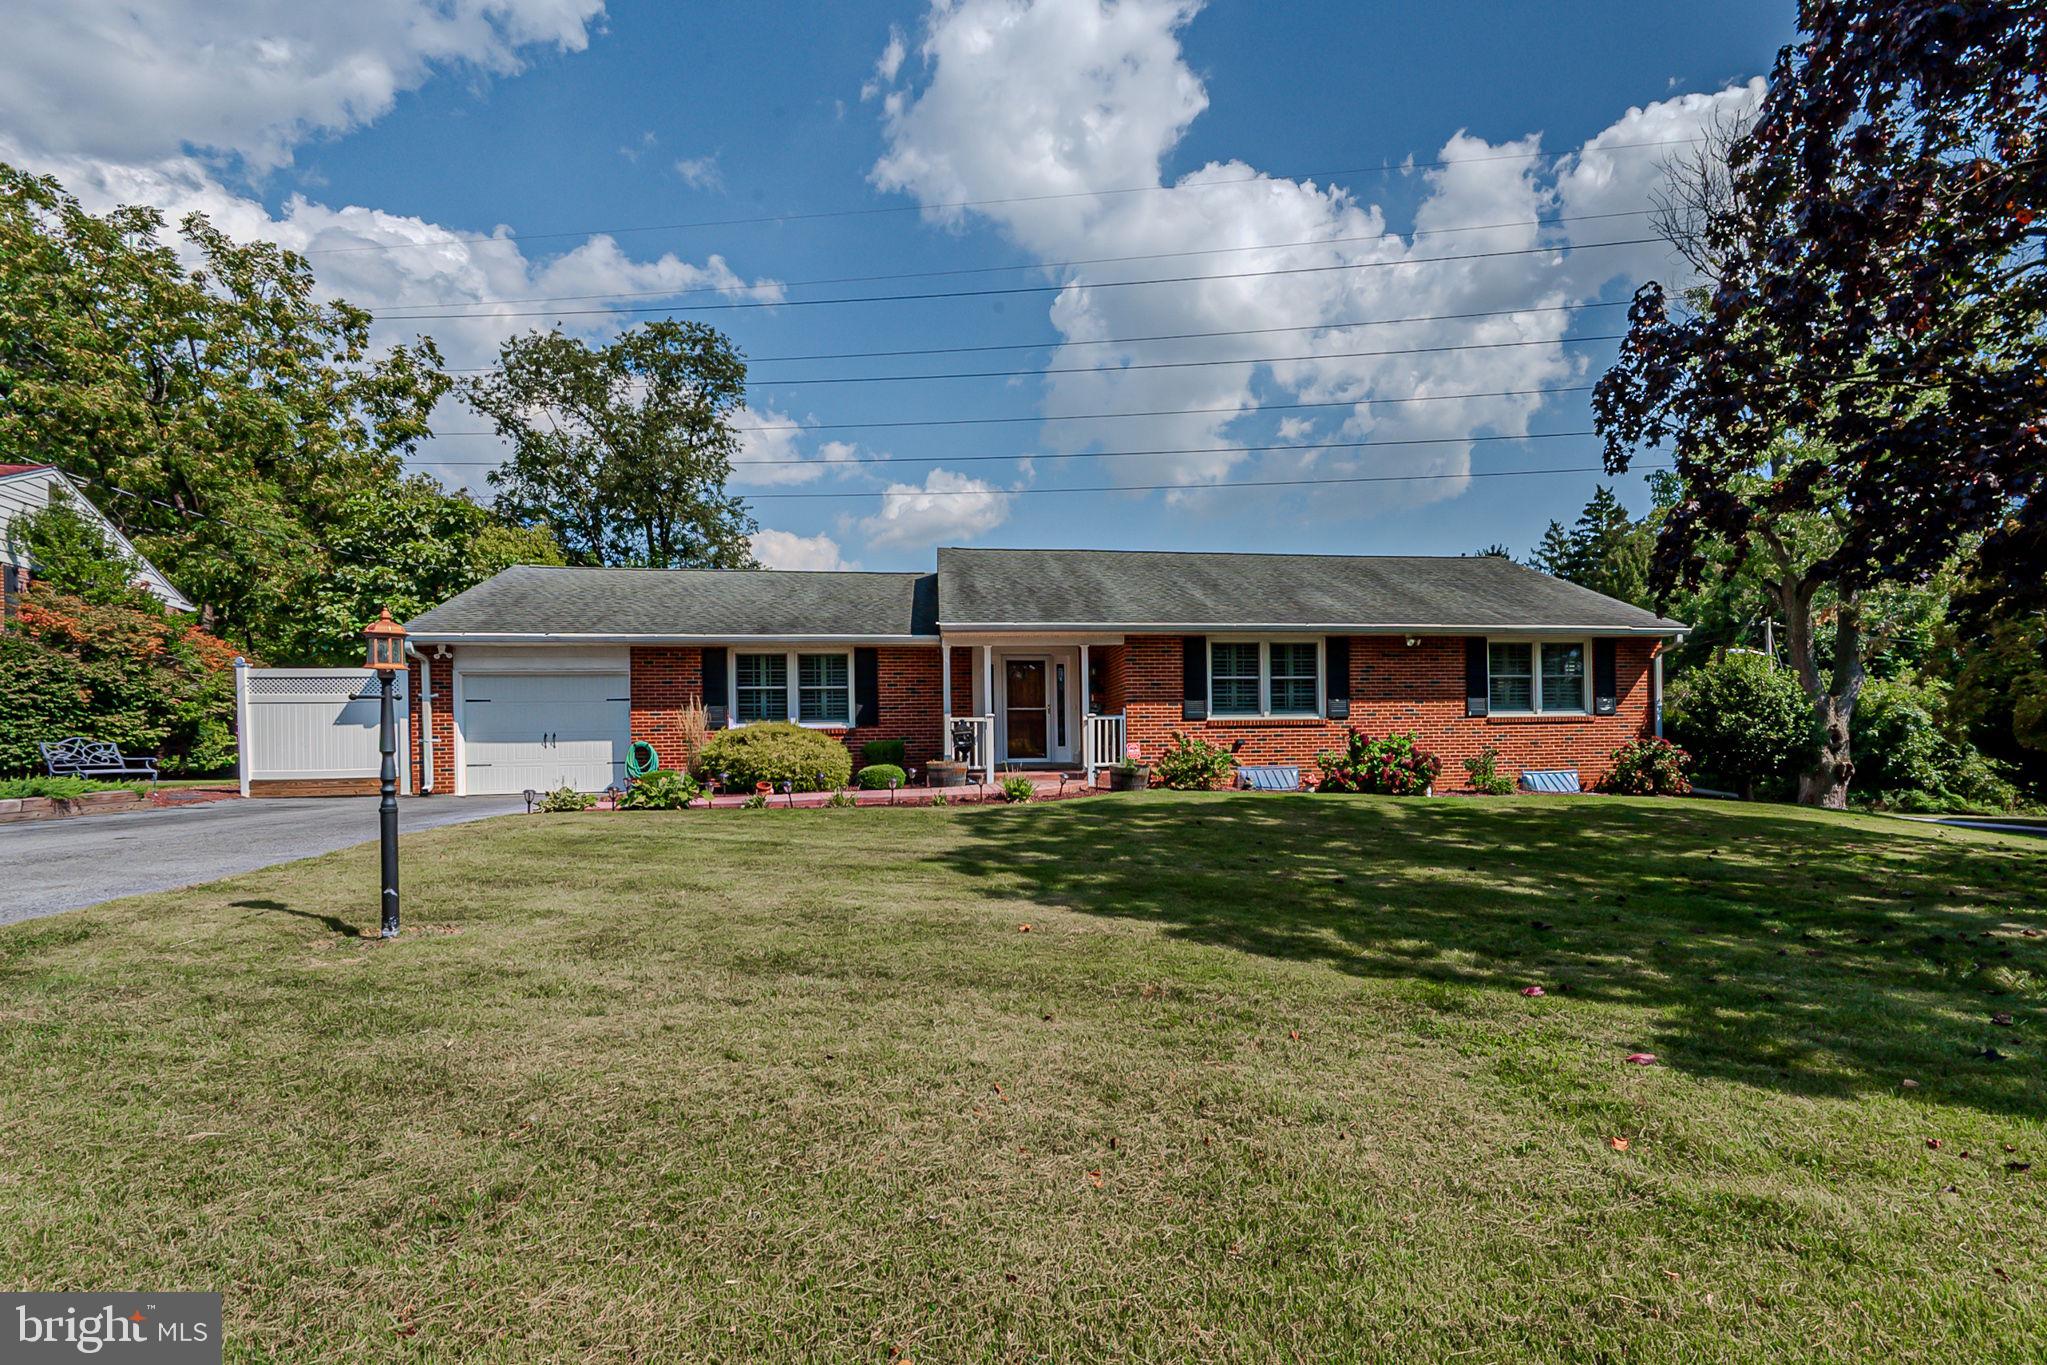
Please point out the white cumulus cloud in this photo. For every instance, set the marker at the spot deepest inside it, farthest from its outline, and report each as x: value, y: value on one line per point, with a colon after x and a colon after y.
x: 946, y: 507
x: 787, y: 550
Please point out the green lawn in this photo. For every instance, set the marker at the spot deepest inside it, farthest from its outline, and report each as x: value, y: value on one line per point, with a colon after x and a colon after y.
x: 1259, y: 1083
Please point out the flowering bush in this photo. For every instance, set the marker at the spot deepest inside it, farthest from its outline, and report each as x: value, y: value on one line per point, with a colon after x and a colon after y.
x: 1194, y: 765
x: 1485, y: 775
x: 1648, y: 767
x: 1394, y: 766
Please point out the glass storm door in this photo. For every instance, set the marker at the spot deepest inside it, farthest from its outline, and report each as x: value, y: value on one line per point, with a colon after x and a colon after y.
x: 1027, y: 709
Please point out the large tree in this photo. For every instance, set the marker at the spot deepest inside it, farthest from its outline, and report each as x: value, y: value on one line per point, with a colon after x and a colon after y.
x: 217, y: 408
x: 623, y: 450
x: 1864, y: 376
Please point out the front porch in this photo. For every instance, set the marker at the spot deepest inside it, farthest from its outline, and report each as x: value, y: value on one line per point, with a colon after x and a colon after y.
x: 1033, y: 703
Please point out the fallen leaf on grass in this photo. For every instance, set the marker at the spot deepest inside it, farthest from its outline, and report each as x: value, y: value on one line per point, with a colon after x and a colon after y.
x: 1294, y: 1034
x: 1619, y: 1144
x: 2002, y: 1019
x: 1933, y: 1144
x: 1642, y: 1058
x: 1532, y: 991
x: 1023, y: 928
x: 1095, y: 1178
x: 2018, y: 1167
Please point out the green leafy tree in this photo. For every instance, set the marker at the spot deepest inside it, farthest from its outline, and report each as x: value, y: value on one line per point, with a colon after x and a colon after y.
x: 1746, y: 724
x: 72, y: 554
x: 408, y: 548
x: 235, y: 410
x: 623, y: 450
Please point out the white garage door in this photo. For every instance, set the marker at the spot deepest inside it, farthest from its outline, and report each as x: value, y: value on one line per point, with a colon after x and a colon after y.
x: 545, y: 730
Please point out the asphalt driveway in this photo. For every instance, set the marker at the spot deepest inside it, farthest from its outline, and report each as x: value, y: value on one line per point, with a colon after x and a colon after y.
x: 52, y: 865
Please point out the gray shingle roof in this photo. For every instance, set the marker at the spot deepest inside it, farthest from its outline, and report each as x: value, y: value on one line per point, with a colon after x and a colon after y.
x: 1135, y: 589
x: 530, y: 600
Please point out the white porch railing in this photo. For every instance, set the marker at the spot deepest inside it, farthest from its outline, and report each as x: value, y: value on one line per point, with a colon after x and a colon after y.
x: 1101, y: 743
x: 983, y: 754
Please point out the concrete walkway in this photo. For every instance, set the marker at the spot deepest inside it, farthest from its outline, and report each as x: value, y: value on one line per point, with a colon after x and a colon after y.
x: 52, y: 865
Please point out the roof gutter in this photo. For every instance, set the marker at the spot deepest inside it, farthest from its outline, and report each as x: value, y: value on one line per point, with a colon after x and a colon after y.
x: 1312, y: 628
x: 457, y: 637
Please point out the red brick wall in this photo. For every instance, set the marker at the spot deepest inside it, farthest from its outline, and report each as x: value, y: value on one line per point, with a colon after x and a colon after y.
x: 665, y: 678
x: 1395, y: 688
x: 443, y: 707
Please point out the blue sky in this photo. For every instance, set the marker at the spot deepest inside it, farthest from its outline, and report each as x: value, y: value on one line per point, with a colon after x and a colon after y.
x: 385, y: 138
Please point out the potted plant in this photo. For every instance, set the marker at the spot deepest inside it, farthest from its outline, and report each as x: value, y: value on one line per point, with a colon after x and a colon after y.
x: 1129, y: 776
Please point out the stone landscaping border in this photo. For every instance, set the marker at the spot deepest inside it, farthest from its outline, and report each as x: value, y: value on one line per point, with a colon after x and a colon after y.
x: 17, y: 808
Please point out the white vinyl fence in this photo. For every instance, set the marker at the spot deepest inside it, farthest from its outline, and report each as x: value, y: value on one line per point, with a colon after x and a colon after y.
x: 315, y: 724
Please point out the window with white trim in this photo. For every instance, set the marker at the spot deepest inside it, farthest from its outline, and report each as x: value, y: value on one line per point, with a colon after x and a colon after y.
x: 824, y: 689
x: 1233, y: 679
x: 762, y: 685
x: 1536, y: 677
x: 810, y: 689
x: 1264, y: 678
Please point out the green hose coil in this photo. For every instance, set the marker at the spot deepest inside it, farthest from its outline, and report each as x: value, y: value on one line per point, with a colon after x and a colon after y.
x: 641, y: 759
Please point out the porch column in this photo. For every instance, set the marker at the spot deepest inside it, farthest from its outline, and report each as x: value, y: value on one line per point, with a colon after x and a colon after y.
x: 988, y: 708
x: 1656, y: 687
x: 945, y: 675
x: 1087, y: 724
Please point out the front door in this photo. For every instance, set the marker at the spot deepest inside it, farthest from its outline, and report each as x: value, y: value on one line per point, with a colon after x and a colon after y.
x: 1027, y: 709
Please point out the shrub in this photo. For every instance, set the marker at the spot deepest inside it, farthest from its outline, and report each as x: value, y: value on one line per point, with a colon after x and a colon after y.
x: 566, y: 799
x: 1484, y: 773
x: 1194, y: 765
x: 758, y: 801
x: 940, y: 799
x: 63, y: 787
x: 1016, y: 789
x: 878, y: 751
x: 841, y: 800
x: 1648, y: 767
x: 1746, y: 723
x: 1394, y: 766
x: 875, y: 777
x: 662, y: 789
x: 776, y: 752
x: 1905, y: 757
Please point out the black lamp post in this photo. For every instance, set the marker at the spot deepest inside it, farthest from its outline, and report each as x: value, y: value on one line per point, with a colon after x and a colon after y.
x: 387, y: 656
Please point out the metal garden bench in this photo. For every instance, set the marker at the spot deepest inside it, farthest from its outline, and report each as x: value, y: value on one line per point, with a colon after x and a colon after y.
x: 97, y: 758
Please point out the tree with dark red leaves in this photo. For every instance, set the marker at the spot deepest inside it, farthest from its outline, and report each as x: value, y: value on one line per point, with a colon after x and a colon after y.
x: 1870, y: 352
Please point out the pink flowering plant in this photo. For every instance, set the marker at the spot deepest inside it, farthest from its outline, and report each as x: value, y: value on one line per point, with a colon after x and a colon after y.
x: 1394, y: 766
x: 1648, y: 767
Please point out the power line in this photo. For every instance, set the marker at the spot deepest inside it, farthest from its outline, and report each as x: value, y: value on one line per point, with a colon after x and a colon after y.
x: 1026, y: 265
x: 1189, y: 487
x: 1191, y: 364
x: 1160, y: 336
x: 1385, y: 167
x: 1236, y: 410
x: 1009, y: 290
x: 1119, y: 454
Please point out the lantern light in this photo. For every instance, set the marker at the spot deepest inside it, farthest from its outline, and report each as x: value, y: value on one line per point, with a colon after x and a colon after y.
x: 387, y: 643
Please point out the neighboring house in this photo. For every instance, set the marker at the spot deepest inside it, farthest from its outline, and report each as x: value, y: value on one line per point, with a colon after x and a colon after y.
x: 26, y: 488
x: 543, y: 676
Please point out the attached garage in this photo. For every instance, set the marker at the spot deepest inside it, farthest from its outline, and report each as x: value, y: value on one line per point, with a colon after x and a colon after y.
x: 527, y: 728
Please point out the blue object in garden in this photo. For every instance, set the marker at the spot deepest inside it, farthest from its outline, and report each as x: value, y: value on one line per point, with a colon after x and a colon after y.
x: 1559, y: 781
x: 1270, y: 778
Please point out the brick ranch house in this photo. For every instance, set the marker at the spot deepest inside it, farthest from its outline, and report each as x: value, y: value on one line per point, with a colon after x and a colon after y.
x: 1062, y: 658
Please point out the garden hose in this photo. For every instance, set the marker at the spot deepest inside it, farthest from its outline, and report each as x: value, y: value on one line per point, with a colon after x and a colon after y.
x: 641, y: 759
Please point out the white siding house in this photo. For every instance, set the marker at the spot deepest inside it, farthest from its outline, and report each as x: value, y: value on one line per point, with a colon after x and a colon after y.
x: 26, y: 488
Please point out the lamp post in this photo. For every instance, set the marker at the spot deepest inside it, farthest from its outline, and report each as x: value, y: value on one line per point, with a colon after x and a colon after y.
x: 387, y: 656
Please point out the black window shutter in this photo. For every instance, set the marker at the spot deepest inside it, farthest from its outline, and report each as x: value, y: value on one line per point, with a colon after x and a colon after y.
x: 1194, y: 677
x: 1605, y: 695
x: 716, y: 694
x: 1336, y: 676
x: 867, y: 687
x: 1476, y: 688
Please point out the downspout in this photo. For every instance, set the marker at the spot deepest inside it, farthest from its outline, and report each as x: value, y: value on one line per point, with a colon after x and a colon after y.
x: 424, y: 717
x: 1656, y: 686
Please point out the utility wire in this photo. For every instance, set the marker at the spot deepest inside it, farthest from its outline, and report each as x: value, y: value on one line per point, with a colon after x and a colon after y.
x: 1385, y: 167
x: 1189, y: 487
x: 1026, y: 265
x: 1119, y: 454
x: 1010, y: 290
x: 1062, y: 344
x: 1237, y: 410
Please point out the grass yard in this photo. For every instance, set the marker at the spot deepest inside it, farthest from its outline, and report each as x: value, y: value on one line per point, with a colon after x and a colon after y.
x: 1259, y: 1083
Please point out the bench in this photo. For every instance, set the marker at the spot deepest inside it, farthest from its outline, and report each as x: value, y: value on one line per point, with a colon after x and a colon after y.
x: 1270, y: 778
x: 1557, y: 781
x: 94, y: 758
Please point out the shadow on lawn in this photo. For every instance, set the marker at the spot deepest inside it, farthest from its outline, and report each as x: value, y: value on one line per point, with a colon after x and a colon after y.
x: 333, y: 922
x: 1805, y: 955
